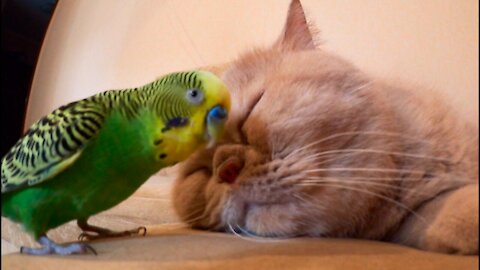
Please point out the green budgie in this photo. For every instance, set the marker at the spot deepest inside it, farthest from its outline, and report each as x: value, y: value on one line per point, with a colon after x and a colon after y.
x: 89, y: 155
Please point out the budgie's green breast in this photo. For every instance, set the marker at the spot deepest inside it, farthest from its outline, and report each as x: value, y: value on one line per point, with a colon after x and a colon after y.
x: 112, y: 165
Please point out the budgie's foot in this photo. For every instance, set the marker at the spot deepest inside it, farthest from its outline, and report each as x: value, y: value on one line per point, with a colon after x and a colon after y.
x: 104, y: 233
x: 50, y: 247
x: 100, y: 233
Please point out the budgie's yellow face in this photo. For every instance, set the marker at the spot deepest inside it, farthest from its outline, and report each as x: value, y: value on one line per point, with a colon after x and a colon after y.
x: 208, y: 105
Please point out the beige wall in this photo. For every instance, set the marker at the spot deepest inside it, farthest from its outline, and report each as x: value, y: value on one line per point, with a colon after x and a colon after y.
x: 98, y: 45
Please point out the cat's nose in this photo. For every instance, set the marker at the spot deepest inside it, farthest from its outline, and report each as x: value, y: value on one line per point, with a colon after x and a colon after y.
x: 229, y: 170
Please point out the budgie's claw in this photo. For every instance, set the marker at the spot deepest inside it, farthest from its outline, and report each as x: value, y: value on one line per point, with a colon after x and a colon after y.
x: 142, y: 228
x: 110, y: 234
x: 50, y: 247
x: 88, y: 247
x: 82, y: 236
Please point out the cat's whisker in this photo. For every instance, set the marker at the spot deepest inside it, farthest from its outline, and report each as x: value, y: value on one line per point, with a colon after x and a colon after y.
x: 380, y: 170
x: 249, y: 236
x: 372, y: 178
x: 336, y: 135
x: 178, y: 19
x: 399, y: 179
x: 401, y: 205
x: 362, y: 86
x: 376, y: 151
x: 326, y: 161
x: 194, y: 220
x: 386, y: 170
x: 258, y: 238
x: 364, y: 182
x: 273, y: 151
x: 302, y: 198
x: 229, y: 228
x: 309, y: 200
x: 233, y: 231
x: 199, y: 209
x: 195, y: 216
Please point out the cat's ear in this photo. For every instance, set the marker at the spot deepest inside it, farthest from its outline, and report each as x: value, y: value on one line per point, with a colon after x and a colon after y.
x: 296, y: 34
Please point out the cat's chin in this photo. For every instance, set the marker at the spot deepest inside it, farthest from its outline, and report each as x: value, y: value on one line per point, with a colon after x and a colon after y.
x: 264, y: 219
x: 272, y: 220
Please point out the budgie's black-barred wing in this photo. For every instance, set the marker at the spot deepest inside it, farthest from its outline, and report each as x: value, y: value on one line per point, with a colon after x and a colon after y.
x: 52, y: 144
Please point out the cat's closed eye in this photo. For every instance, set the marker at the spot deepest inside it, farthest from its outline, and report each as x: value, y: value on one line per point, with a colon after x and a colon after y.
x: 248, y: 112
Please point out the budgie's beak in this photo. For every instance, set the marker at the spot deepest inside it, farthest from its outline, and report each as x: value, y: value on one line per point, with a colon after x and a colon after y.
x: 215, y: 120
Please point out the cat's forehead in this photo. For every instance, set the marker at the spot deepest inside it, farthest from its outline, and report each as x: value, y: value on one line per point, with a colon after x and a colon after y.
x: 270, y: 66
x: 247, y: 68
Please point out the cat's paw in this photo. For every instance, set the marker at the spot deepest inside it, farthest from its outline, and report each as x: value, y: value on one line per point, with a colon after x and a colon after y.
x: 455, y: 227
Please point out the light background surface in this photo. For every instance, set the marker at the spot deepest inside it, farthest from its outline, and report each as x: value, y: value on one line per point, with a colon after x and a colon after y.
x: 107, y: 44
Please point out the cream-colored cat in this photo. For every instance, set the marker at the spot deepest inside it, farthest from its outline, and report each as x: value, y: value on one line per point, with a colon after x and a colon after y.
x: 315, y: 147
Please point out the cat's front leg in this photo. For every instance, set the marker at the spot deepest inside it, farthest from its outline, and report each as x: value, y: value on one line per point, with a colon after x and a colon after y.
x: 450, y: 225
x: 455, y: 227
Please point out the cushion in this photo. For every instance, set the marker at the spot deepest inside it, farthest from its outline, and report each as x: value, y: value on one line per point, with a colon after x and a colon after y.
x: 169, y: 245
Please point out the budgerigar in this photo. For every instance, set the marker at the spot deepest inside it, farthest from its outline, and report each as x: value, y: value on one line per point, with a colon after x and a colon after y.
x: 89, y: 155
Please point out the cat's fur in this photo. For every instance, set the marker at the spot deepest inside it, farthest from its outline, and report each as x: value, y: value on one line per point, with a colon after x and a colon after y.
x: 321, y: 149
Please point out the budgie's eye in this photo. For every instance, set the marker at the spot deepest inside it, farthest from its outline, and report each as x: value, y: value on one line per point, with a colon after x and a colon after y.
x: 194, y: 96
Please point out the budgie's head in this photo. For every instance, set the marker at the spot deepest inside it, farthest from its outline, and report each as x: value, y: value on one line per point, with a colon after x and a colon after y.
x: 193, y: 107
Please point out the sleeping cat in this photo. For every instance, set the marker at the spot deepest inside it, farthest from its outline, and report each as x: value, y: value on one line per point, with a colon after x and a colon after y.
x: 315, y: 147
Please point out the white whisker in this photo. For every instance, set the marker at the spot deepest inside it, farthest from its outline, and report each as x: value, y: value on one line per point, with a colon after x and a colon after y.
x: 376, y: 151
x: 259, y: 238
x: 326, y: 161
x: 391, y: 134
x: 232, y: 230
x: 371, y: 193
x: 194, y: 216
x: 395, y: 179
x: 373, y: 178
x: 187, y: 35
x: 302, y: 199
x: 365, y: 182
x: 336, y: 169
